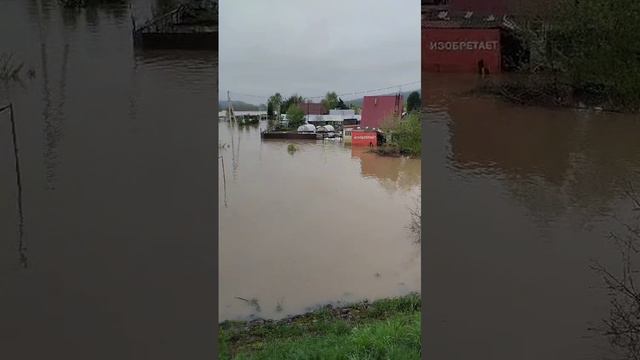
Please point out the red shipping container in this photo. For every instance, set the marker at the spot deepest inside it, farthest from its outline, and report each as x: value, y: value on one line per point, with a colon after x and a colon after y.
x: 460, y: 50
x: 364, y: 138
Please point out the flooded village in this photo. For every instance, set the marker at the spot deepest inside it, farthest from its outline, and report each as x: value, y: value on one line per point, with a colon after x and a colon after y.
x: 299, y: 235
x: 317, y: 222
x: 529, y: 180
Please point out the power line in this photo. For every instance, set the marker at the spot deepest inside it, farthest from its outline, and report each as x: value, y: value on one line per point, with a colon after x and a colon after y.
x: 350, y: 93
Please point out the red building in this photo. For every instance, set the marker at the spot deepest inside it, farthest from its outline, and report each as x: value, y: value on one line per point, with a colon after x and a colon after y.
x: 464, y: 35
x: 363, y: 137
x: 461, y: 50
x: 375, y: 109
x: 310, y: 108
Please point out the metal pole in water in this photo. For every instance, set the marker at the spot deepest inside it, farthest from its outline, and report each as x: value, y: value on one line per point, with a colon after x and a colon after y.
x: 224, y: 181
x: 22, y: 249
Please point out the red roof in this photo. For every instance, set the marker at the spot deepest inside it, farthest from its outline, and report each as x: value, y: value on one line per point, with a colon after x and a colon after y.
x: 375, y: 109
x: 313, y: 108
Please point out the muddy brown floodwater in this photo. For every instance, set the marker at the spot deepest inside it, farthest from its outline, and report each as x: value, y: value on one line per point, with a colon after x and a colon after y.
x: 118, y: 168
x: 324, y: 224
x: 518, y: 200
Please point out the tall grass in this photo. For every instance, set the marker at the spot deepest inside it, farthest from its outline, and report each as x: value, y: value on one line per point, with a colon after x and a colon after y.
x: 384, y: 329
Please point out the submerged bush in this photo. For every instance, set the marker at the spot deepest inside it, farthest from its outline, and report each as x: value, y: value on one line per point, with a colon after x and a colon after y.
x: 405, y: 134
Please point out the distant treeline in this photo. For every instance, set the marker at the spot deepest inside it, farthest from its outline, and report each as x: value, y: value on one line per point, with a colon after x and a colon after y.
x: 244, y: 106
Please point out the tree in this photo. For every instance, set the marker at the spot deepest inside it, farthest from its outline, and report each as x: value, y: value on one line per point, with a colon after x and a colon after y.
x: 295, y: 116
x: 413, y: 101
x: 270, y: 110
x: 341, y: 105
x: 276, y: 101
x: 293, y: 99
x: 622, y: 327
x: 330, y: 100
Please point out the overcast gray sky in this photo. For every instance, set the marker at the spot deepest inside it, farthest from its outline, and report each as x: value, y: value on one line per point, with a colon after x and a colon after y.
x: 313, y: 46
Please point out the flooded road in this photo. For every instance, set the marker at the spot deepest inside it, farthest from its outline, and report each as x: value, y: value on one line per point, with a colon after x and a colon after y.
x: 118, y: 169
x: 519, y: 200
x: 324, y: 224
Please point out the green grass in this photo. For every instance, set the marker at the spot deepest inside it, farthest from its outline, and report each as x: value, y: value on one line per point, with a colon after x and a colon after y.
x: 384, y: 329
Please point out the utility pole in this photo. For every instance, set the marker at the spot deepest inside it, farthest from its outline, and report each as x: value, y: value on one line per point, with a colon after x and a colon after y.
x: 230, y: 113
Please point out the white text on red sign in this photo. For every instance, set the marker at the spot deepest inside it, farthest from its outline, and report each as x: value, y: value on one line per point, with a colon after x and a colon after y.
x: 463, y: 45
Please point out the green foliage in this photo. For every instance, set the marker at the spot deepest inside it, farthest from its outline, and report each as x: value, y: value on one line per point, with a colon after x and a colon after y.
x: 330, y: 100
x: 384, y: 329
x: 270, y: 110
x: 398, y: 338
x: 293, y: 99
x: 413, y: 101
x: 295, y: 115
x: 275, y: 101
x: 594, y: 46
x: 406, y: 134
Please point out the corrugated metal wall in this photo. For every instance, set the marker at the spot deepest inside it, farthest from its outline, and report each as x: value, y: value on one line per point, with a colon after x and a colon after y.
x: 375, y: 109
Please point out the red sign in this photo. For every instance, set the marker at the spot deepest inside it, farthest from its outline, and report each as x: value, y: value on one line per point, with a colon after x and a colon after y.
x: 460, y: 50
x: 365, y: 138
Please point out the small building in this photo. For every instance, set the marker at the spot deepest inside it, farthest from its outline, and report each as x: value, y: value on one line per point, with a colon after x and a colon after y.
x: 365, y: 137
x: 470, y: 36
x: 375, y: 109
x: 462, y: 42
x: 332, y: 119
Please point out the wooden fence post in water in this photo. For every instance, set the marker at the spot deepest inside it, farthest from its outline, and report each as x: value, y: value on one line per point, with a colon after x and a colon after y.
x: 22, y: 249
x: 224, y: 181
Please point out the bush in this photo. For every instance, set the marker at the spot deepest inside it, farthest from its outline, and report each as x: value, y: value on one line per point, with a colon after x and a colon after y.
x: 406, y: 134
x: 595, y: 46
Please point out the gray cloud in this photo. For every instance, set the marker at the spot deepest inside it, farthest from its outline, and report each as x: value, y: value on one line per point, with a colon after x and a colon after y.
x: 311, y: 47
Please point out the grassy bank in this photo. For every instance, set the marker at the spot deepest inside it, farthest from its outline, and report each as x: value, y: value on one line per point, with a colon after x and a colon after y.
x: 383, y: 329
